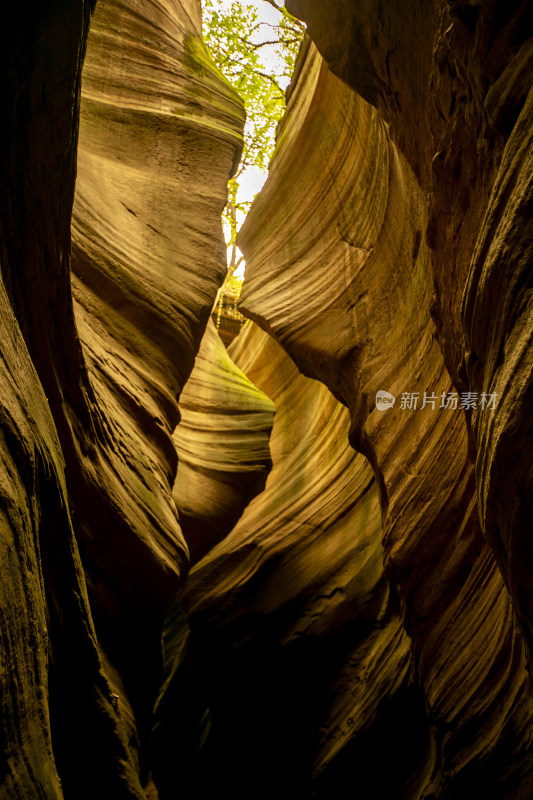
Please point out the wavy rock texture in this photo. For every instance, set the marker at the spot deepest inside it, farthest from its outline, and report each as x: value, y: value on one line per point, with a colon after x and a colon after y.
x: 56, y: 701
x: 222, y: 442
x: 454, y: 81
x: 57, y: 716
x: 160, y: 135
x: 152, y: 165
x: 357, y: 611
x: 339, y: 271
x: 30, y: 456
x: 222, y: 446
x: 292, y: 619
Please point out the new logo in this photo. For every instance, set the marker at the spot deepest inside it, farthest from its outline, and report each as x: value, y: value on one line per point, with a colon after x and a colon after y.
x: 384, y: 400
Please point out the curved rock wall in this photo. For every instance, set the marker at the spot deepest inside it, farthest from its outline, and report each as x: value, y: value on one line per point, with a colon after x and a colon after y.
x: 160, y: 134
x: 155, y: 152
x: 338, y: 270
x: 222, y: 442
x: 367, y: 605
x: 453, y: 79
x: 57, y: 716
x: 292, y: 619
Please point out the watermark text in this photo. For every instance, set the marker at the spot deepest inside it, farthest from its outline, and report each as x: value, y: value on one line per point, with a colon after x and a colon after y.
x: 449, y: 401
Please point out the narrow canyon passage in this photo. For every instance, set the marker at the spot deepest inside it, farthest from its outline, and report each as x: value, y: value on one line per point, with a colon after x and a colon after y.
x: 300, y: 566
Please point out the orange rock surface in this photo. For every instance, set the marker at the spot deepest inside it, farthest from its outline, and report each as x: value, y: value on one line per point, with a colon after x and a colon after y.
x: 360, y: 621
x: 339, y: 271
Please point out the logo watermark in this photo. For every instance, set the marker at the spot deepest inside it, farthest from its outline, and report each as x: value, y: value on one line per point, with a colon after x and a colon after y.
x: 384, y: 400
x: 413, y: 401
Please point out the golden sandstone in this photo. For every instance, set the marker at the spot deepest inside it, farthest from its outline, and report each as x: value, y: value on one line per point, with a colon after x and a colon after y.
x: 318, y: 584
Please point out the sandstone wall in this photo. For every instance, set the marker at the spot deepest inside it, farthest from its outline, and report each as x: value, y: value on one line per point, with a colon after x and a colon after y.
x: 373, y: 603
x: 292, y: 620
x: 159, y: 135
x: 53, y: 690
x: 453, y: 80
x: 222, y: 442
x: 88, y: 459
x: 340, y: 272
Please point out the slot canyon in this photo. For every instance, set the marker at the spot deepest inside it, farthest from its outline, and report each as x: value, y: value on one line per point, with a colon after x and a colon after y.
x: 300, y: 566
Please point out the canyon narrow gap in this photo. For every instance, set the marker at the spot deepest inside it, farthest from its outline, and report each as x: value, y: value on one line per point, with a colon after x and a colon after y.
x: 301, y: 566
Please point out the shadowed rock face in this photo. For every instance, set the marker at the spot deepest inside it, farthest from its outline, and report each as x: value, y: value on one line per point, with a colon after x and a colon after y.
x: 159, y: 134
x: 367, y: 606
x: 155, y: 152
x: 222, y: 442
x: 87, y: 455
x: 292, y: 619
x: 57, y: 715
x: 339, y: 271
x: 454, y: 81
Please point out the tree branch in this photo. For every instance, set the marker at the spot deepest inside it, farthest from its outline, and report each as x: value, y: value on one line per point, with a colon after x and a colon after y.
x: 272, y: 80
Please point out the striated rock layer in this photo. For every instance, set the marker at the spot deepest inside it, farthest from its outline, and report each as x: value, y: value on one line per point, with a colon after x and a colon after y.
x: 222, y: 442
x: 292, y: 620
x: 87, y: 455
x: 366, y: 607
x: 53, y: 690
x: 159, y: 135
x: 222, y: 446
x: 453, y: 79
x: 339, y: 271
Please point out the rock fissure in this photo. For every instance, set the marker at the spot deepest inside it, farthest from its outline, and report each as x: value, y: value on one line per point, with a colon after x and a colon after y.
x: 237, y: 571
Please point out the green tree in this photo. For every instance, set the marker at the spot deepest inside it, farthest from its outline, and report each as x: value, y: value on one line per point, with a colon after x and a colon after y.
x: 256, y: 53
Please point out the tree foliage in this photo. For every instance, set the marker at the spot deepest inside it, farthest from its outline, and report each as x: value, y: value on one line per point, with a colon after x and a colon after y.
x: 256, y: 53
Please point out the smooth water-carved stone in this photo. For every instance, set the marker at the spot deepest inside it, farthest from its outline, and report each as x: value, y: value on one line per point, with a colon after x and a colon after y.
x: 60, y: 733
x: 161, y: 133
x: 338, y: 270
x: 454, y: 82
x: 297, y: 638
x: 222, y: 445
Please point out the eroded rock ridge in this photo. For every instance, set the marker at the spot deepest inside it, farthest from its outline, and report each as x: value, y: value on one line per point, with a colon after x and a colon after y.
x: 368, y: 601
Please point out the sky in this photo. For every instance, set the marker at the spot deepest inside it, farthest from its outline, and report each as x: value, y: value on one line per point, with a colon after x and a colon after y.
x: 252, y: 179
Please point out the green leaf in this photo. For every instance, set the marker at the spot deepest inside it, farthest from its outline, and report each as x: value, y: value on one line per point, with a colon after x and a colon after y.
x: 240, y: 43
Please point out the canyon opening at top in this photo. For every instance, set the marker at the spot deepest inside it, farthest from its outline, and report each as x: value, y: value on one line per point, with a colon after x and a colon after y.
x: 254, y: 43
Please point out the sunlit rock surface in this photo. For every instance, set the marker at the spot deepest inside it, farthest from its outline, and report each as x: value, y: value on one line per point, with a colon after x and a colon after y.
x: 88, y: 459
x: 356, y: 615
x: 222, y: 446
x: 338, y: 270
x: 159, y: 135
x: 271, y: 606
x: 222, y: 442
x: 291, y: 616
x: 454, y: 82
x: 58, y: 720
